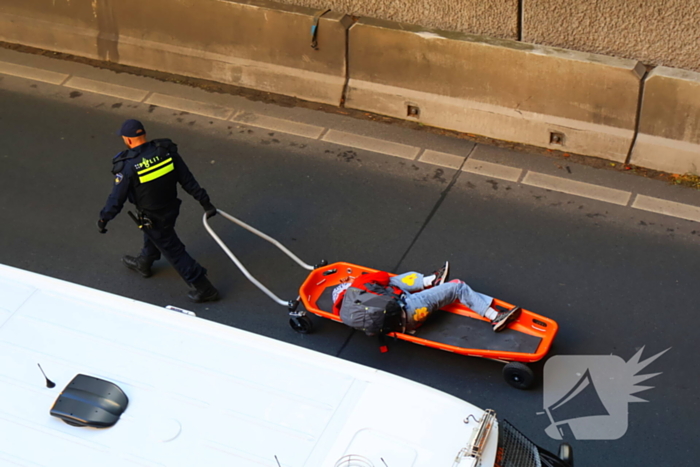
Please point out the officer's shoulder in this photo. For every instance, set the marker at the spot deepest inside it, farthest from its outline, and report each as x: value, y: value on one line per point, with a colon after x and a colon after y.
x: 119, y: 156
x: 118, y: 161
x: 166, y: 143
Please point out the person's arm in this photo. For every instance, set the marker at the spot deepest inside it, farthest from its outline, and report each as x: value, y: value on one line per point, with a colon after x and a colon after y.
x: 117, y: 198
x: 190, y: 185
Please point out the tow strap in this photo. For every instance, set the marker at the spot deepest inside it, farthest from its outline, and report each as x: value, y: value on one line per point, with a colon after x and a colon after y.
x: 314, y: 28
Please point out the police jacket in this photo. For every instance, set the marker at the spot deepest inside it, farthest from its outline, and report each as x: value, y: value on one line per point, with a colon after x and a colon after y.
x: 147, y: 176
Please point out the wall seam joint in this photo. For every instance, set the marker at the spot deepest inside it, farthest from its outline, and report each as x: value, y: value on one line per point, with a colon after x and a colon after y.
x: 344, y: 93
x: 638, y: 116
x: 521, y: 13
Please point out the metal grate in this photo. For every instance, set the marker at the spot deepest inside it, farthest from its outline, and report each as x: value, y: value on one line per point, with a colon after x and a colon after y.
x: 514, y: 449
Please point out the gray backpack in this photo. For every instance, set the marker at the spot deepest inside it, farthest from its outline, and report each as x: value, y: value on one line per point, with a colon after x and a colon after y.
x: 366, y: 310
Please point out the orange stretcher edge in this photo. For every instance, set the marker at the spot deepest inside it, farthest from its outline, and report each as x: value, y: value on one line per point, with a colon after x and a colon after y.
x: 528, y: 322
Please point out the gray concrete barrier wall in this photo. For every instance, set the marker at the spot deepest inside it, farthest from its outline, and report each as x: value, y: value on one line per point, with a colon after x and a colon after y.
x: 255, y: 44
x: 502, y: 89
x: 669, y: 125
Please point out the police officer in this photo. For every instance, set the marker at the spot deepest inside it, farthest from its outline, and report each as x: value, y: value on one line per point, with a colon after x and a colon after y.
x: 147, y: 175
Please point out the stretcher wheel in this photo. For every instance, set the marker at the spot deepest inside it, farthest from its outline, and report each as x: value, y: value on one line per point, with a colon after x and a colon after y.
x: 301, y: 324
x: 518, y: 375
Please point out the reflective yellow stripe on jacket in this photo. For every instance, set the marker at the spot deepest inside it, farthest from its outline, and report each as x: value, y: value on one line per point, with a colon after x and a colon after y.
x: 156, y: 171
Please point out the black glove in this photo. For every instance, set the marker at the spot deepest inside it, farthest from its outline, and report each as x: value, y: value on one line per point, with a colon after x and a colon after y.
x: 101, y: 224
x: 209, y: 209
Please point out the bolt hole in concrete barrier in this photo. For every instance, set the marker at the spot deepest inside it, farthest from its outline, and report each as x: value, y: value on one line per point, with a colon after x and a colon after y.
x: 556, y: 137
x: 412, y: 111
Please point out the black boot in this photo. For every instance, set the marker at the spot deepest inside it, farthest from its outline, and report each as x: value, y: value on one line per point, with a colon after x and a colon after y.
x: 203, y: 291
x: 140, y: 264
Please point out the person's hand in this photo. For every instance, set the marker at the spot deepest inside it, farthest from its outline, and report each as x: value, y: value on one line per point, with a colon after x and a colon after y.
x: 101, y: 224
x: 210, y: 210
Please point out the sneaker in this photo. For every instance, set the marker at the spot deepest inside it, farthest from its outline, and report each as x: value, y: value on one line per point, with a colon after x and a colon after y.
x: 139, y: 264
x: 505, y: 317
x: 441, y: 274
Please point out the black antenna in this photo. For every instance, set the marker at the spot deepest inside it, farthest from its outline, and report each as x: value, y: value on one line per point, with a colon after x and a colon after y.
x: 384, y: 462
x: 278, y: 461
x: 49, y: 384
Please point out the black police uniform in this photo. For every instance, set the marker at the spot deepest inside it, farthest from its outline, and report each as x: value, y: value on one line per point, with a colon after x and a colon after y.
x: 147, y: 176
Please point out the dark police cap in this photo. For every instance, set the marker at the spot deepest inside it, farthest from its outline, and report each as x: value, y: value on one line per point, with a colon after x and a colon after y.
x: 131, y: 129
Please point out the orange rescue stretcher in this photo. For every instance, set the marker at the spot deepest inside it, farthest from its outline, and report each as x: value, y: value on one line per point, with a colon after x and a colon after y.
x: 455, y: 328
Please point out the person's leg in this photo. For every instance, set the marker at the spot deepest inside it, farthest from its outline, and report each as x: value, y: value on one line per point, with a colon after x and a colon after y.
x: 175, y: 252
x: 149, y: 251
x: 478, y: 302
x: 164, y: 236
x: 410, y: 282
x: 420, y: 305
x: 413, y: 282
x: 143, y: 262
x: 439, y: 277
x: 483, y: 304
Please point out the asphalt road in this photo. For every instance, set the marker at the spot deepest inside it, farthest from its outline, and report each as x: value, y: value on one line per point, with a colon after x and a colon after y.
x: 616, y: 279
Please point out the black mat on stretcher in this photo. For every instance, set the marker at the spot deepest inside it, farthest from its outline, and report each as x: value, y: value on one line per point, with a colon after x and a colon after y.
x: 461, y: 331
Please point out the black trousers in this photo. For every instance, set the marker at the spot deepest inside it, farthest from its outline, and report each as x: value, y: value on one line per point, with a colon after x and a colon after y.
x: 162, y: 239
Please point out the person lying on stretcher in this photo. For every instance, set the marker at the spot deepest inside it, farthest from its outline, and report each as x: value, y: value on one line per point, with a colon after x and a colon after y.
x: 376, y: 303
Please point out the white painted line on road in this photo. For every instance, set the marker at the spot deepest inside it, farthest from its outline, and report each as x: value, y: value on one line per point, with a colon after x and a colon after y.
x: 442, y: 159
x: 371, y: 144
x: 489, y: 169
x: 586, y: 190
x: 34, y: 74
x: 277, y: 124
x: 100, y: 87
x: 669, y: 208
x: 193, y: 107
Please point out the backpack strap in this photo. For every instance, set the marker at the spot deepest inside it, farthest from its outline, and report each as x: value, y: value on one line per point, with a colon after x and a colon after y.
x: 165, y: 146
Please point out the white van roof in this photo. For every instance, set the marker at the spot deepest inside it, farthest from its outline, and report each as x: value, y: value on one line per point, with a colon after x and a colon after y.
x: 201, y: 393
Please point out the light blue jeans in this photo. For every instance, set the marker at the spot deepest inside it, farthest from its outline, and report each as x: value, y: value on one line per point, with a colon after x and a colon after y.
x: 421, y: 302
